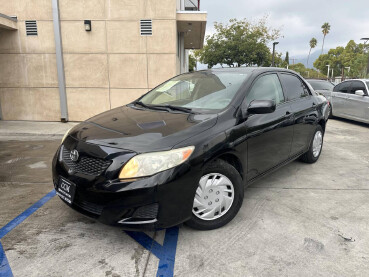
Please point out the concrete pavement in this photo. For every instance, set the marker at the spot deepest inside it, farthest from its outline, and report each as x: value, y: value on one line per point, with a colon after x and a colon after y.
x: 303, y: 220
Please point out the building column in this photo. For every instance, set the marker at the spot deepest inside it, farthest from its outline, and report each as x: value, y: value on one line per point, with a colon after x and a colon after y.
x: 60, y: 62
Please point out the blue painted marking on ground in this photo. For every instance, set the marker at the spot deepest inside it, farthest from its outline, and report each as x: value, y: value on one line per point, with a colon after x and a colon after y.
x: 5, y: 270
x: 166, y: 253
x: 20, y: 218
x: 166, y: 263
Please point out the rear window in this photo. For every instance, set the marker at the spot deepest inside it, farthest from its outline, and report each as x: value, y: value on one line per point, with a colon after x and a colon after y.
x: 321, y: 85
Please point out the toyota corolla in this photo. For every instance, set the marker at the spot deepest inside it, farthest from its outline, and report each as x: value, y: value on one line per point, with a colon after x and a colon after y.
x: 185, y: 151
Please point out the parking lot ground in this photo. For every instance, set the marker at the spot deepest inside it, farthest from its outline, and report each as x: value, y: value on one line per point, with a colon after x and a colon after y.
x: 302, y: 220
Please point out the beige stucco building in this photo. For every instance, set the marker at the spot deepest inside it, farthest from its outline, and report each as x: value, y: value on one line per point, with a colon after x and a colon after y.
x: 132, y: 47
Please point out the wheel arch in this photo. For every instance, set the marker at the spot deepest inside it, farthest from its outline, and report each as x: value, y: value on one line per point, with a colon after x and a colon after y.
x: 232, y: 159
x: 322, y: 123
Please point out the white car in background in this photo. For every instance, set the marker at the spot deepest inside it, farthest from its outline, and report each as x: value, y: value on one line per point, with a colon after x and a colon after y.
x: 323, y: 87
x: 349, y: 99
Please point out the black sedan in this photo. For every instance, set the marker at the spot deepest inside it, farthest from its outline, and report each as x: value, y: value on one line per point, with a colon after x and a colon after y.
x: 185, y: 151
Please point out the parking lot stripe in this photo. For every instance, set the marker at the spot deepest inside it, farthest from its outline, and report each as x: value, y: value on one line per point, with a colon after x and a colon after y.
x: 166, y: 263
x: 166, y: 253
x: 20, y: 218
x: 5, y: 270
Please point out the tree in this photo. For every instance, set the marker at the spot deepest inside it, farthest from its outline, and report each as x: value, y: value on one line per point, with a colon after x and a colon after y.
x: 238, y: 42
x: 278, y: 61
x: 305, y: 72
x: 325, y: 30
x: 191, y: 63
x: 352, y: 55
x: 287, y: 58
x: 313, y: 42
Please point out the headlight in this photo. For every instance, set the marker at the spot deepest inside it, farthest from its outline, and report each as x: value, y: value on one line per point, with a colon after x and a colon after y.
x: 150, y: 163
x: 65, y: 135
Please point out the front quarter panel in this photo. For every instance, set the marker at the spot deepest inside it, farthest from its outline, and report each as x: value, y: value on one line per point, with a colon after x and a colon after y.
x: 228, y: 136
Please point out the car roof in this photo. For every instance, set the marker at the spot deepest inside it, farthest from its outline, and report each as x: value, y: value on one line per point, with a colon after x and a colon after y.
x: 249, y: 69
x: 317, y: 80
x: 350, y: 80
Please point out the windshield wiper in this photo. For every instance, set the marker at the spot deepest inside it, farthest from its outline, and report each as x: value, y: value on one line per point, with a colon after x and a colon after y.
x: 177, y: 108
x: 152, y: 107
x: 165, y: 107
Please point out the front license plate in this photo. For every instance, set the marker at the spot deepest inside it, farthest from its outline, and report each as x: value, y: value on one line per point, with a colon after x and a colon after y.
x: 66, y: 190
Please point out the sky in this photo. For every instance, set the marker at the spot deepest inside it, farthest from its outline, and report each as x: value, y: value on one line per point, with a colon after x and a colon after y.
x: 298, y: 20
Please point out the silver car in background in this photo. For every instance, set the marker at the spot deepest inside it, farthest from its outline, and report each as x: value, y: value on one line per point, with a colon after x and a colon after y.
x: 323, y: 87
x: 349, y: 99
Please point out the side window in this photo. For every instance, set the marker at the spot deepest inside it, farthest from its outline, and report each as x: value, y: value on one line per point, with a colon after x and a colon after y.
x: 294, y: 87
x: 357, y: 85
x: 343, y: 87
x: 266, y: 87
x: 337, y: 87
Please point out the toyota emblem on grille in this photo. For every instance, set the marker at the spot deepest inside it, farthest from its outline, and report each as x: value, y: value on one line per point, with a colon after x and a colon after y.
x: 74, y: 155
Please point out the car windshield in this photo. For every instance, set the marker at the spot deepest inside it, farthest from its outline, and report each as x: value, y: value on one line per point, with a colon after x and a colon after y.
x: 321, y: 85
x: 199, y: 91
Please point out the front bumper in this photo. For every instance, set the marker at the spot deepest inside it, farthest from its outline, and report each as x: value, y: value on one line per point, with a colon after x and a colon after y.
x: 160, y: 201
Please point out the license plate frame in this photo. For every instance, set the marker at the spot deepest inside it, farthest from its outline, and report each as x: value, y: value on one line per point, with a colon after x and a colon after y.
x: 66, y: 190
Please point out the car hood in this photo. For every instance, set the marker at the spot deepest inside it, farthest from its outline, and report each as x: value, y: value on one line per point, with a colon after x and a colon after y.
x: 142, y: 130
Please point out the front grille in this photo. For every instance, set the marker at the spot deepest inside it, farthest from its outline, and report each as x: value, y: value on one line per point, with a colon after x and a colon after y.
x: 89, y: 207
x: 86, y: 165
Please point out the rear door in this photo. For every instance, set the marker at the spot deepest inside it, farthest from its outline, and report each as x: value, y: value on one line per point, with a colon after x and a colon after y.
x: 339, y: 96
x: 304, y: 110
x: 269, y: 136
x: 357, y: 105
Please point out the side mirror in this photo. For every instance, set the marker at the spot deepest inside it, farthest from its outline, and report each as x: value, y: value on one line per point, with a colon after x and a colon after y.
x: 261, y: 107
x: 359, y: 92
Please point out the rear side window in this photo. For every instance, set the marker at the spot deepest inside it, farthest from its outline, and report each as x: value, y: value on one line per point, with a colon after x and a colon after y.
x: 357, y: 85
x: 267, y: 87
x: 321, y: 85
x: 343, y: 87
x: 294, y: 87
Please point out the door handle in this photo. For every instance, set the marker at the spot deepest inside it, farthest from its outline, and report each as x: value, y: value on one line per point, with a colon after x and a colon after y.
x: 313, y: 104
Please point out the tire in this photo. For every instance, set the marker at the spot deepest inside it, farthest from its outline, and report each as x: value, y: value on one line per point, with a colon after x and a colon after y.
x: 217, y: 176
x: 310, y: 156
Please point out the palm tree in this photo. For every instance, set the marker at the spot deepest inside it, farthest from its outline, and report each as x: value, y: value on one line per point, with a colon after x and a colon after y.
x: 313, y: 42
x: 325, y: 30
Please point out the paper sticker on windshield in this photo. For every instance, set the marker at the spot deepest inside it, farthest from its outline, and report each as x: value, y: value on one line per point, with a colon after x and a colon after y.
x: 168, y: 85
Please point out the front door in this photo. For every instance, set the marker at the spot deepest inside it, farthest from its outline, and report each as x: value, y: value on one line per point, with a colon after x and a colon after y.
x: 357, y: 106
x: 269, y: 136
x: 339, y: 96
